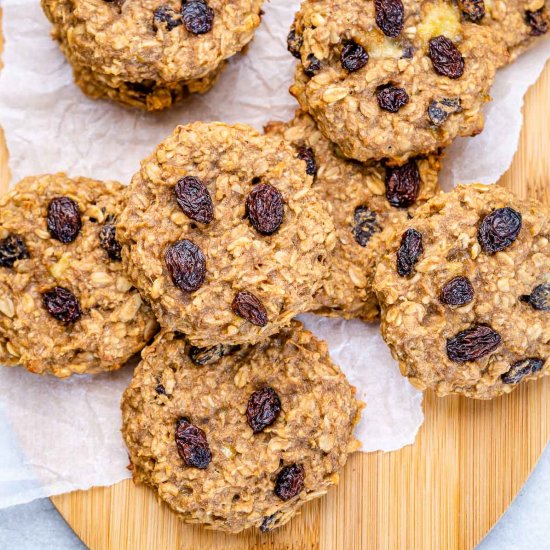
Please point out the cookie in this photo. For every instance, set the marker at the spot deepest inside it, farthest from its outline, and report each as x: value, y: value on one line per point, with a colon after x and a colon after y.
x: 149, y: 54
x: 392, y: 79
x: 243, y: 439
x: 465, y: 292
x: 66, y: 305
x: 363, y: 200
x: 225, y: 235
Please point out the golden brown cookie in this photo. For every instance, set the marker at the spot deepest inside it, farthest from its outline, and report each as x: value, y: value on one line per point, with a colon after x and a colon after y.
x: 392, y: 79
x: 243, y: 441
x: 363, y: 200
x: 225, y: 235
x: 465, y: 292
x: 66, y: 305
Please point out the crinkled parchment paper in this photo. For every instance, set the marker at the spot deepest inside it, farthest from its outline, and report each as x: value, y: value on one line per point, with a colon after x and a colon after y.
x: 61, y: 435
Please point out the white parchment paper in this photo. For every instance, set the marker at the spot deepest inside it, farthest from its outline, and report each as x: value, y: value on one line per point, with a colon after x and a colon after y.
x: 61, y: 435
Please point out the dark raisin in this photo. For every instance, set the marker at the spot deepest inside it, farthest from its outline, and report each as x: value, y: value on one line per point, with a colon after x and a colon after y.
x: 539, y: 298
x: 263, y: 409
x: 440, y: 109
x: 521, y: 369
x: 472, y: 343
x: 186, y: 264
x: 107, y: 241
x: 267, y: 523
x: 408, y: 51
x: 537, y: 21
x: 294, y: 43
x: 198, y: 17
x: 446, y: 59
x: 364, y: 225
x: 210, y: 355
x: 457, y: 292
x: 474, y: 10
x: 194, y: 199
x: 62, y: 304
x: 392, y: 98
x: 192, y: 444
x: 63, y: 219
x: 409, y: 252
x: 12, y: 248
x: 306, y: 154
x: 168, y: 16
x: 264, y: 208
x: 353, y: 57
x: 313, y: 65
x: 389, y: 16
x: 290, y: 481
x: 247, y: 306
x: 160, y: 389
x: 403, y: 184
x: 499, y: 229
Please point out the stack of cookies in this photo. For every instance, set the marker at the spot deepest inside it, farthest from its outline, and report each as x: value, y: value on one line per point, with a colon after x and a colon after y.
x: 236, y: 415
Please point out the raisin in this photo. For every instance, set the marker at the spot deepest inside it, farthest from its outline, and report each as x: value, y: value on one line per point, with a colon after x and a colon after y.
x: 364, y: 225
x: 457, y: 292
x: 198, y: 17
x: 472, y: 343
x: 12, y: 248
x: 263, y: 409
x: 499, y: 229
x: 264, y: 208
x: 63, y: 219
x: 107, y: 241
x: 353, y: 57
x: 267, y: 523
x: 306, y: 154
x: 194, y: 199
x: 389, y: 16
x: 521, y: 369
x: 440, y: 109
x: 160, y: 389
x: 210, y: 355
x: 392, y: 98
x: 539, y: 298
x: 474, y: 10
x: 168, y: 16
x: 186, y: 264
x: 62, y: 304
x: 290, y: 481
x: 247, y: 306
x: 403, y: 184
x: 537, y: 21
x: 294, y: 43
x: 409, y: 251
x: 408, y: 51
x: 446, y: 59
x: 192, y: 444
x: 313, y: 65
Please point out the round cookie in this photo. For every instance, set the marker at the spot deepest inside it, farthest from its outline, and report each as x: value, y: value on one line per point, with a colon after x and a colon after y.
x: 158, y: 48
x: 66, y: 305
x: 465, y: 292
x: 359, y: 199
x: 244, y: 441
x: 225, y: 235
x: 391, y: 79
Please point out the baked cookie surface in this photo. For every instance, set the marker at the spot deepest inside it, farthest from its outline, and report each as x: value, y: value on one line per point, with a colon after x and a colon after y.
x: 391, y: 79
x: 363, y: 200
x: 225, y: 234
x: 151, y: 44
x: 241, y: 441
x: 66, y: 305
x: 465, y: 292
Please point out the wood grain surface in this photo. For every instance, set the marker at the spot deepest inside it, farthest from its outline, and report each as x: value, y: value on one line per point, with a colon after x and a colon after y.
x: 444, y: 492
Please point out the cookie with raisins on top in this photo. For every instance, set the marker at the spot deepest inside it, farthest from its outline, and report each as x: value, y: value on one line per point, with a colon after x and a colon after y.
x: 66, y: 305
x: 237, y: 438
x: 465, y: 292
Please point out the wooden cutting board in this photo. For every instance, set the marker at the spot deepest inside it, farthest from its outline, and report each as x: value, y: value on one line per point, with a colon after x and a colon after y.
x: 444, y: 492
